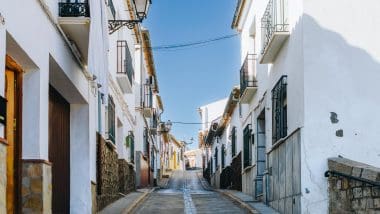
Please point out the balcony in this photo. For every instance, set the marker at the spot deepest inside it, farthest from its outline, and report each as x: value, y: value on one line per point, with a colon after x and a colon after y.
x: 74, y: 19
x: 125, y: 72
x: 275, y: 30
x: 148, y: 101
x: 248, y: 83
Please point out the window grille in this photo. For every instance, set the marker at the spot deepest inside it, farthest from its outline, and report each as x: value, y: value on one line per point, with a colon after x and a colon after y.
x: 279, y: 110
x: 248, y: 137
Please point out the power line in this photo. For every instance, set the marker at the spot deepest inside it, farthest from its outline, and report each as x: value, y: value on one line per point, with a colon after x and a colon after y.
x: 181, y: 46
x: 187, y: 123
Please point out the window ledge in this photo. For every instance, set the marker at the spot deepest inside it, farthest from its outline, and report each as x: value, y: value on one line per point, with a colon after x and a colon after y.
x: 282, y: 140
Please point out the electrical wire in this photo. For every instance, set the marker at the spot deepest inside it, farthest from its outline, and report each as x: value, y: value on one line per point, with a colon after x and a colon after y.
x: 181, y: 46
x: 187, y: 123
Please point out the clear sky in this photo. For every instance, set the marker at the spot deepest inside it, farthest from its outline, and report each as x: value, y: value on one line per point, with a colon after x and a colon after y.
x: 193, y: 77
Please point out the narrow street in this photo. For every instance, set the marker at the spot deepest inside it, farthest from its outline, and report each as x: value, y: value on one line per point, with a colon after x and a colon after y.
x: 186, y: 194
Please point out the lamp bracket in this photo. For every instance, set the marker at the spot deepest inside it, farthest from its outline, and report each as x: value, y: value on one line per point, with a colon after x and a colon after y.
x: 115, y: 25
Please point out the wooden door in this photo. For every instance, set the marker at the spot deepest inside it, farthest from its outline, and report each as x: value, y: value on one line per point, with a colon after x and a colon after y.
x: 10, y: 135
x: 59, y: 151
x: 13, y: 94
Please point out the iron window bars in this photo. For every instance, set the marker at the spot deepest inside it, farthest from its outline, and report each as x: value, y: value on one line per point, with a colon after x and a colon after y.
x: 279, y: 109
x: 275, y: 19
x: 246, y: 78
x: 124, y: 60
x: 247, y: 141
x: 74, y: 8
x: 111, y: 120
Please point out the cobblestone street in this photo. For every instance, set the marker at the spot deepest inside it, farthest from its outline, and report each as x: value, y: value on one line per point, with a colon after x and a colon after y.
x: 186, y: 194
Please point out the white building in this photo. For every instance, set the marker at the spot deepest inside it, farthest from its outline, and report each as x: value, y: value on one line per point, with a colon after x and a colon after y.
x: 193, y: 158
x: 81, y: 90
x: 302, y: 98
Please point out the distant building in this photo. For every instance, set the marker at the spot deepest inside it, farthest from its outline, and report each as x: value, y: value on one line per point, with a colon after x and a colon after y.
x: 193, y: 158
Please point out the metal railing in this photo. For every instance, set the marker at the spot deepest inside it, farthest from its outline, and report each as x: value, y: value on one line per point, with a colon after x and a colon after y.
x: 275, y: 19
x: 74, y: 9
x: 339, y: 174
x: 124, y: 60
x: 112, y: 8
x: 247, y: 73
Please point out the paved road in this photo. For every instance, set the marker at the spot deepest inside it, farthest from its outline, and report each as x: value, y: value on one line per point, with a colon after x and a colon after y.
x: 185, y: 194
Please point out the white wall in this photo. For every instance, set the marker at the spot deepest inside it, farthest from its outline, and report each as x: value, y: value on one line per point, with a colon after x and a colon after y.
x: 341, y: 58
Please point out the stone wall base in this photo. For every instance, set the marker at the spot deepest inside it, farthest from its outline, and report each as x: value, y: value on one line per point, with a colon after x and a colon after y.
x: 347, y: 194
x: 36, y: 190
x: 126, y: 177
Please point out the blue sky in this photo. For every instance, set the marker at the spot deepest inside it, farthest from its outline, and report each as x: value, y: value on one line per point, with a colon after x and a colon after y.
x: 193, y: 77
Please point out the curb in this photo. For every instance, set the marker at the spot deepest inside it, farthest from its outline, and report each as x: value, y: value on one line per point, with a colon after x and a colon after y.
x: 237, y: 200
x: 137, y: 202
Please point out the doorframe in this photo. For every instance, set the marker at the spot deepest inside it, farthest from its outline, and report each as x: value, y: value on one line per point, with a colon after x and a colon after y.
x: 11, y: 64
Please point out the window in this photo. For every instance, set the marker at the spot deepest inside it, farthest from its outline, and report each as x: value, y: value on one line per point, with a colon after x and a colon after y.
x: 146, y: 142
x: 248, y: 140
x: 131, y: 144
x: 233, y: 141
x: 216, y: 158
x: 279, y: 110
x: 223, y: 154
x: 148, y: 95
x: 111, y: 120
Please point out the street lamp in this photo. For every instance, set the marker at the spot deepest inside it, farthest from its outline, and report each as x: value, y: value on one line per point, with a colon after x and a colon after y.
x: 141, y: 8
x: 165, y: 127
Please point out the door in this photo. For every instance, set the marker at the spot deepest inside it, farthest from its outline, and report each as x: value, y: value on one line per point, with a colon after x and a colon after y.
x: 13, y: 137
x: 59, y: 151
x: 261, y: 155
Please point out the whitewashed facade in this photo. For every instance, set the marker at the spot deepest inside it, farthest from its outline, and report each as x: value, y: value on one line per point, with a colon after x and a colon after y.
x: 68, y: 64
x: 307, y: 101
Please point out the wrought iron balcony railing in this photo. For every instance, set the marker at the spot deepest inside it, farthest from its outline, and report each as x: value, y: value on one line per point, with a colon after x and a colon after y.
x: 74, y: 9
x: 275, y: 19
x: 247, y: 73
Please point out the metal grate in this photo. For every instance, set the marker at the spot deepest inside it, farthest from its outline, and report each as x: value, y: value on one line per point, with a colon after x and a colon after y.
x: 74, y: 9
x: 223, y: 154
x: 279, y: 110
x: 247, y: 140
